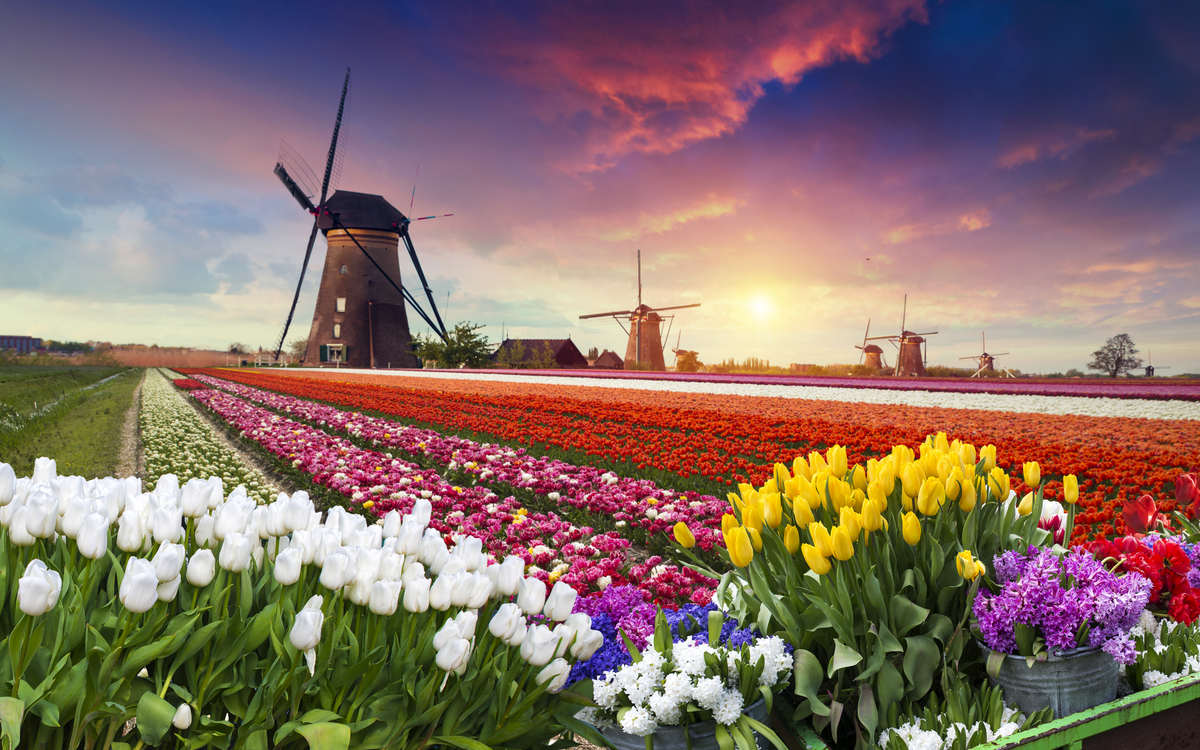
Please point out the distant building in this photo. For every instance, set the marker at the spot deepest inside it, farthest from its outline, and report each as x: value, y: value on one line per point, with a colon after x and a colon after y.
x: 795, y: 369
x: 564, y: 351
x: 20, y: 344
x: 608, y: 361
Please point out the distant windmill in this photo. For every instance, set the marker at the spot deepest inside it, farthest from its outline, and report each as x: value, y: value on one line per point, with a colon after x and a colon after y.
x: 645, y: 339
x: 359, y: 318
x: 910, y: 360
x: 870, y: 352
x: 1150, y: 366
x: 987, y: 362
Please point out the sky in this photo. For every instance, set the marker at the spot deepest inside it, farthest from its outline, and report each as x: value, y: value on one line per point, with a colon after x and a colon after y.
x: 1028, y: 169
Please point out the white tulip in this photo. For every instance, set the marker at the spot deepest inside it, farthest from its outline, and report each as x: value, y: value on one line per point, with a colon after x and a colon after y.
x: 539, y: 646
x: 235, y: 552
x: 42, y: 515
x: 453, y: 567
x: 217, y: 495
x: 416, y: 595
x: 448, y: 632
x: 183, y: 717
x: 306, y: 631
x: 518, y: 635
x: 587, y: 644
x: 532, y: 596
x: 338, y: 570
x: 201, y: 568
x: 442, y: 591
x: 470, y: 551
x: 466, y: 622
x: 297, y: 511
x: 204, y: 532
x: 481, y: 591
x: 275, y: 545
x: 439, y: 561
x: 167, y: 489
x: 508, y: 580
x: 412, y: 571
x: 422, y: 511
x: 288, y: 565
x: 557, y: 673
x: 18, y: 533
x: 74, y: 511
x: 92, y: 539
x: 431, y: 544
x: 373, y: 537
x: 233, y: 516
x: 133, y: 487
x: 8, y: 483
x: 504, y: 623
x: 260, y: 522
x: 193, y: 499
x: 360, y: 588
x: 168, y: 561
x: 385, y: 597
x: 561, y: 600
x: 408, y: 542
x: 38, y: 589
x: 114, y: 500
x: 392, y: 522
x: 44, y: 470
x: 455, y: 656
x: 330, y: 540
x: 256, y: 553
x: 168, y: 589
x: 167, y: 524
x: 129, y: 531
x: 391, y: 565
x: 306, y: 542
x: 139, y: 587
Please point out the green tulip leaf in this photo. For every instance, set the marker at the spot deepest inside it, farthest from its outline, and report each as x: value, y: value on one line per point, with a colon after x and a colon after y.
x: 994, y: 661
x: 889, y: 641
x: 809, y: 676
x: 326, y: 736
x: 12, y: 711
x: 906, y: 615
x: 920, y: 661
x: 843, y: 656
x: 868, y: 712
x: 890, y: 684
x: 154, y: 716
x: 939, y: 628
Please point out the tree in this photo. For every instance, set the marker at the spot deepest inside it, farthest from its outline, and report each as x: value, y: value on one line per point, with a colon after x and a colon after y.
x: 593, y: 353
x: 511, y: 356
x: 297, y: 349
x: 1117, y: 357
x: 542, y: 358
x: 687, y: 362
x: 237, y: 347
x: 463, y: 347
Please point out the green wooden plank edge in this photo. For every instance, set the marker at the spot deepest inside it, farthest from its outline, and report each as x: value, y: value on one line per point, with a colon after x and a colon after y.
x: 1070, y: 731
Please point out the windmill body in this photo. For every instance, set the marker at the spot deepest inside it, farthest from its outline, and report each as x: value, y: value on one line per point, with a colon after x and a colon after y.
x: 360, y: 320
x: 984, y: 361
x: 910, y: 359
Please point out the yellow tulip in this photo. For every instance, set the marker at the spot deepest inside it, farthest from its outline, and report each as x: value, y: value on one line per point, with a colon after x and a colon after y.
x: 755, y: 538
x: 791, y: 539
x: 816, y: 561
x: 773, y: 510
x: 858, y: 478
x: 1033, y: 474
x: 872, y: 519
x: 980, y: 568
x: 912, y: 479
x: 838, y: 494
x: 836, y: 458
x: 781, y: 474
x: 753, y: 517
x: 912, y: 528
x: 887, y: 479
x: 931, y: 497
x: 998, y: 483
x: 966, y: 452
x: 741, y: 550
x: 954, y: 484
x: 817, y: 463
x: 902, y: 455
x: 851, y: 522
x: 966, y: 565
x: 803, y: 514
x: 843, y: 546
x: 735, y: 501
x: 987, y: 454
x: 683, y: 535
x: 820, y: 538
x: 873, y: 467
x: 808, y: 493
x: 791, y: 488
x: 857, y: 498
x: 876, y: 495
x: 1025, y: 507
x: 968, y: 498
x: 728, y: 521
x: 800, y: 468
x: 1070, y: 489
x: 906, y: 501
x: 941, y: 443
x: 929, y: 465
x: 944, y: 468
x: 746, y: 489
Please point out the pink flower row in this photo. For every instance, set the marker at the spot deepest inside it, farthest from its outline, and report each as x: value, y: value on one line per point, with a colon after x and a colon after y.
x: 557, y: 549
x: 640, y: 503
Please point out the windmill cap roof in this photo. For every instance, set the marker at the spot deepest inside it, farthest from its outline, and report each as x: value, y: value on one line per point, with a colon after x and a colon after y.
x: 872, y: 349
x: 361, y: 211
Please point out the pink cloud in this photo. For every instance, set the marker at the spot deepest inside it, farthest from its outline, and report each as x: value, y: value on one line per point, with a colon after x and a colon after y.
x: 656, y: 86
x: 1056, y: 144
x: 968, y: 222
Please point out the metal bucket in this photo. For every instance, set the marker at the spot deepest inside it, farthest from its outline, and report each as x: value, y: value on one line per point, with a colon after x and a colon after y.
x: 1068, y: 681
x: 703, y: 734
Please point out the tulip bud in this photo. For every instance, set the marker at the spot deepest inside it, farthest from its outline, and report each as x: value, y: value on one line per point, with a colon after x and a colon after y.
x: 532, y: 596
x: 816, y: 561
x: 360, y: 588
x: 886, y: 479
x: 8, y: 484
x: 987, y: 454
x: 773, y: 510
x: 44, y: 470
x: 872, y: 519
x: 683, y: 535
x: 968, y: 498
x: 448, y: 632
x: 392, y: 522
x: 509, y: 577
x: 92, y: 538
x: 800, y: 468
x: 454, y: 656
x: 911, y: 528
x: 338, y: 570
x: 539, y: 646
x: 561, y: 601
x: 998, y: 483
x: 912, y: 479
x: 385, y: 597
x: 481, y: 590
x: 167, y: 488
x: 843, y: 547
x: 1025, y: 507
x: 139, y: 587
x: 1032, y: 473
x: 168, y: 562
x: 168, y: 589
x: 504, y: 623
x: 1071, y: 489
x: 740, y: 547
x: 931, y: 497
x: 306, y: 630
x: 38, y: 589
x: 288, y: 565
x: 820, y: 538
x: 72, y: 518
x: 296, y: 511
x: 966, y: 565
x: 802, y: 513
x: 441, y: 591
x: 556, y: 673
x: 41, y: 515
x: 391, y: 565
x: 129, y: 531
x: 201, y: 568
x: 416, y: 593
x: 586, y: 644
x: 816, y: 463
x: 183, y: 717
x: 204, y: 532
x: 193, y: 499
x: 235, y: 552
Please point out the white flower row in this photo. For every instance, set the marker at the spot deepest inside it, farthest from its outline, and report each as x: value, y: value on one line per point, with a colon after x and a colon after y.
x: 1088, y: 407
x: 917, y: 738
x: 178, y: 441
x: 1149, y: 624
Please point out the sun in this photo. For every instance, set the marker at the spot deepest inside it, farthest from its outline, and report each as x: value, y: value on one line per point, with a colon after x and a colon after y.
x: 760, y: 306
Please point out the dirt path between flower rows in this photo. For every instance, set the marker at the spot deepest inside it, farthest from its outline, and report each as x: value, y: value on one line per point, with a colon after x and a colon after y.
x: 130, y: 460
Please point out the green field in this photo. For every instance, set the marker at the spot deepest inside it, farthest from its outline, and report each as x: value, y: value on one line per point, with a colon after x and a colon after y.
x: 82, y: 432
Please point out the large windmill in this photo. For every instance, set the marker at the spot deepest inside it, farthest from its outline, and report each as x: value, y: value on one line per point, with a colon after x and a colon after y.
x: 987, y: 362
x: 360, y: 320
x: 645, y: 337
x: 910, y: 360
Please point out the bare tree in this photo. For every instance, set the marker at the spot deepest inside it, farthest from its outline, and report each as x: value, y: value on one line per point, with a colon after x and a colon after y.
x: 1117, y: 357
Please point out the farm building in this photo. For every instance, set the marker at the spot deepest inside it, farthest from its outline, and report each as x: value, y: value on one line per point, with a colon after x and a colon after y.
x: 608, y: 361
x: 564, y: 351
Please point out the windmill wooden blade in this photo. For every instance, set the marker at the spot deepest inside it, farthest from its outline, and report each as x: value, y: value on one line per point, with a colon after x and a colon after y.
x: 606, y: 314
x: 296, y: 191
x: 674, y: 307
